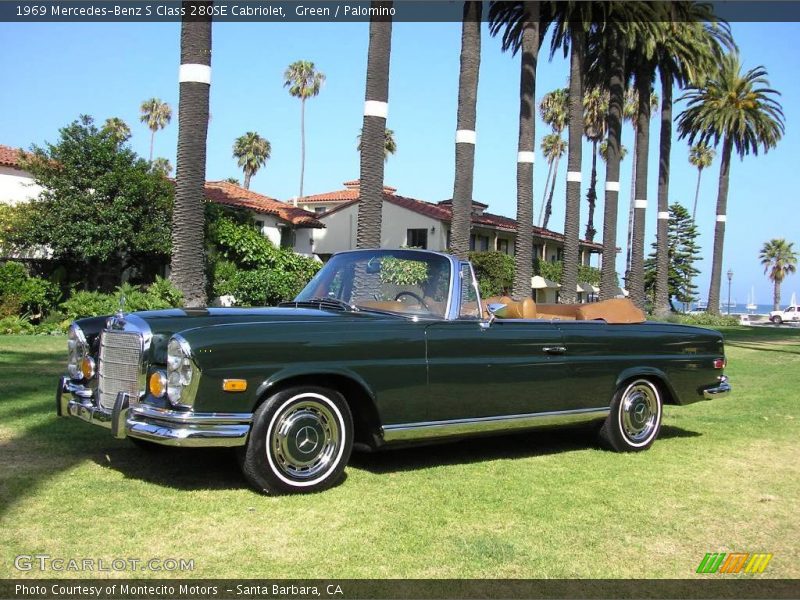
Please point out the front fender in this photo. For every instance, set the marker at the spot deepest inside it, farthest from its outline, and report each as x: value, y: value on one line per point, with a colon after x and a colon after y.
x: 309, y: 370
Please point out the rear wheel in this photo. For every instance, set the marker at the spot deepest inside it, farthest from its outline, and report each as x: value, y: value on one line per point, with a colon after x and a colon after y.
x: 300, y: 441
x: 635, y: 418
x: 777, y: 320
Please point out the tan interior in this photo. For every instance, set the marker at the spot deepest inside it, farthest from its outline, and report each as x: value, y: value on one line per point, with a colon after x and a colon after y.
x: 617, y: 310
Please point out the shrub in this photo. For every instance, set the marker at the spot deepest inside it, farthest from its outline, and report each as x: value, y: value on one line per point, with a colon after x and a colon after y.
x: 20, y: 293
x: 494, y: 271
x: 704, y: 320
x: 15, y: 325
x: 89, y: 304
x: 400, y: 271
x: 53, y: 324
x: 247, y: 266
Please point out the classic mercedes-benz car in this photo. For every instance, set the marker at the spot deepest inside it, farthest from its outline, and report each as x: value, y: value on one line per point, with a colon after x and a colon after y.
x: 382, y: 347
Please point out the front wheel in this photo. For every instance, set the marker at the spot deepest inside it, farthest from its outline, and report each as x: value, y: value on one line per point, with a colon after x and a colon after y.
x: 300, y: 441
x: 635, y: 418
x: 777, y: 320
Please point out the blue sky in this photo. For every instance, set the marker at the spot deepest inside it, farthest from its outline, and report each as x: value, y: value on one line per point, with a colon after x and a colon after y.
x: 53, y: 72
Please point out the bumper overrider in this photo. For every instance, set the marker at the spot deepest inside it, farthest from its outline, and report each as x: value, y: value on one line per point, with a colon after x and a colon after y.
x: 150, y: 423
x: 722, y: 389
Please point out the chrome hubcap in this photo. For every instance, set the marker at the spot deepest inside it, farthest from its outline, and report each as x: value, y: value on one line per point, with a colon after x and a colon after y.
x: 639, y: 412
x: 305, y: 439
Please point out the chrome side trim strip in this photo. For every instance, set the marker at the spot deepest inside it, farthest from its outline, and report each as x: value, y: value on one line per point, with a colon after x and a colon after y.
x: 437, y: 429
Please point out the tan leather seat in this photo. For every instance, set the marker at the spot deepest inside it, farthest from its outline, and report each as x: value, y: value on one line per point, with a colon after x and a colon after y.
x: 526, y: 309
x: 616, y: 310
x: 562, y: 312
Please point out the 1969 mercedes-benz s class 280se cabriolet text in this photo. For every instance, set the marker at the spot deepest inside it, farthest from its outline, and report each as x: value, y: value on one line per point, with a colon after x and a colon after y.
x: 382, y: 347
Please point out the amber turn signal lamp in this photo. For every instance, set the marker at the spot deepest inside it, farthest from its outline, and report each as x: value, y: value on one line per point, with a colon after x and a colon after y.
x: 234, y: 385
x: 158, y: 384
x: 87, y: 368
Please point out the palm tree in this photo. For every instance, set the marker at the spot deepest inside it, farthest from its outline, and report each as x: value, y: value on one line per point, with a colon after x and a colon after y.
x: 389, y: 145
x: 161, y: 165
x: 520, y: 22
x: 741, y: 110
x: 252, y: 152
x: 603, y: 151
x: 595, y: 113
x: 689, y: 43
x: 553, y: 110
x: 779, y: 259
x: 373, y: 136
x: 156, y: 115
x: 304, y: 82
x: 188, y: 215
x: 573, y: 21
x: 465, y: 129
x: 700, y: 156
x: 523, y: 27
x: 630, y: 112
x: 118, y: 129
x: 553, y: 148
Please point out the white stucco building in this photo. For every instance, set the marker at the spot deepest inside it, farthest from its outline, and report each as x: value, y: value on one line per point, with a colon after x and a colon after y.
x: 284, y: 225
x: 16, y: 185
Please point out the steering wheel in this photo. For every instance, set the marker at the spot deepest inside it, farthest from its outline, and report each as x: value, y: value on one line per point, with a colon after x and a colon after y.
x: 419, y: 300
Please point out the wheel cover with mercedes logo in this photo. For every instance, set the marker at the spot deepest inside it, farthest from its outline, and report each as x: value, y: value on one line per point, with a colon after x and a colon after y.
x: 306, y: 439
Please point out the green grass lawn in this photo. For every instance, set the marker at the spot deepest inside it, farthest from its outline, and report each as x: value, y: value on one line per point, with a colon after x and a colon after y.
x: 724, y: 476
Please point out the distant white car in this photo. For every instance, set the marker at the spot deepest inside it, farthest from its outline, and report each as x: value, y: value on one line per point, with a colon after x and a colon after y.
x: 790, y: 313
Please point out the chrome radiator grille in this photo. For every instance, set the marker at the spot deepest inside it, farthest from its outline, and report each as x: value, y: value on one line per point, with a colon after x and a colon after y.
x: 119, y: 366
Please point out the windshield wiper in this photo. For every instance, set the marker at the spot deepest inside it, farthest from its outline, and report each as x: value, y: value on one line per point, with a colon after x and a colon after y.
x: 330, y: 303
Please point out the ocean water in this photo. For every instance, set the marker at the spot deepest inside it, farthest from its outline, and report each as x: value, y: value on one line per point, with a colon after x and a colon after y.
x: 738, y: 309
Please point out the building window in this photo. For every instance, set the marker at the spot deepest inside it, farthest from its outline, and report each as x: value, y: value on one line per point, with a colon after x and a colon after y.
x: 318, y: 210
x: 417, y: 238
x: 259, y: 225
x: 502, y: 246
x: 479, y: 243
x: 287, y: 237
x: 537, y: 252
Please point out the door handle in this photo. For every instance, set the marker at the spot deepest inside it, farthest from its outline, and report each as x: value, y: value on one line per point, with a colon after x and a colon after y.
x: 554, y: 349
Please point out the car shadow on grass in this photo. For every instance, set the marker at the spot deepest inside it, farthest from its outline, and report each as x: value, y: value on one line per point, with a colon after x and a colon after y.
x: 488, y: 448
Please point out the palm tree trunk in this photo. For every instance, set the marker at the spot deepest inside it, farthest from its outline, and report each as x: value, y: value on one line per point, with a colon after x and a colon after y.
x: 569, y: 283
x: 776, y: 295
x: 719, y: 229
x: 548, y: 209
x: 640, y: 202
x: 591, y: 195
x: 188, y: 218
x: 629, y: 239
x: 696, y: 194
x: 302, y: 144
x: 523, y: 252
x: 661, y: 304
x: 373, y: 136
x: 465, y: 129
x: 544, y: 193
x: 608, y: 274
x: 247, y: 176
x: 152, y: 140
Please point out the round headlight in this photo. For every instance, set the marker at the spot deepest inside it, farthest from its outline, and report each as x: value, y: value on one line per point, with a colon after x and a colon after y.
x: 77, y: 351
x: 179, y: 370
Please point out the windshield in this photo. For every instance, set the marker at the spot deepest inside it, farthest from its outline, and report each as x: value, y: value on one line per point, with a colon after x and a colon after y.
x: 399, y: 281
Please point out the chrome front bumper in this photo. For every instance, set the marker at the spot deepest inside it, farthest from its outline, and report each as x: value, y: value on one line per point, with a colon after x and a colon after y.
x: 722, y: 389
x: 162, y: 426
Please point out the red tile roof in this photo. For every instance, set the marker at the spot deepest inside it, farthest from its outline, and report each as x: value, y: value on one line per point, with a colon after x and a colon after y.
x: 9, y: 157
x: 442, y: 211
x: 230, y: 194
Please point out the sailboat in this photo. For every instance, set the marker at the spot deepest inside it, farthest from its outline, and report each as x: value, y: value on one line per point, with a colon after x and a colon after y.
x: 751, y: 300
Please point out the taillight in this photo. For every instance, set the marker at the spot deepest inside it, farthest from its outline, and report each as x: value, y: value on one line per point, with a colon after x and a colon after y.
x: 719, y: 363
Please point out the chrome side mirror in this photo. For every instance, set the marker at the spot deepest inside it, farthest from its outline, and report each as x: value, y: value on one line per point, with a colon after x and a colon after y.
x: 492, y: 309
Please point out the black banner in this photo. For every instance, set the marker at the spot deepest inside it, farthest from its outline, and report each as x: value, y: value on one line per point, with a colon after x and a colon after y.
x: 143, y: 11
x: 230, y: 589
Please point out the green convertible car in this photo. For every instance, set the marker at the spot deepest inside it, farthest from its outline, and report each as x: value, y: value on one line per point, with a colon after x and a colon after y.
x: 382, y: 347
